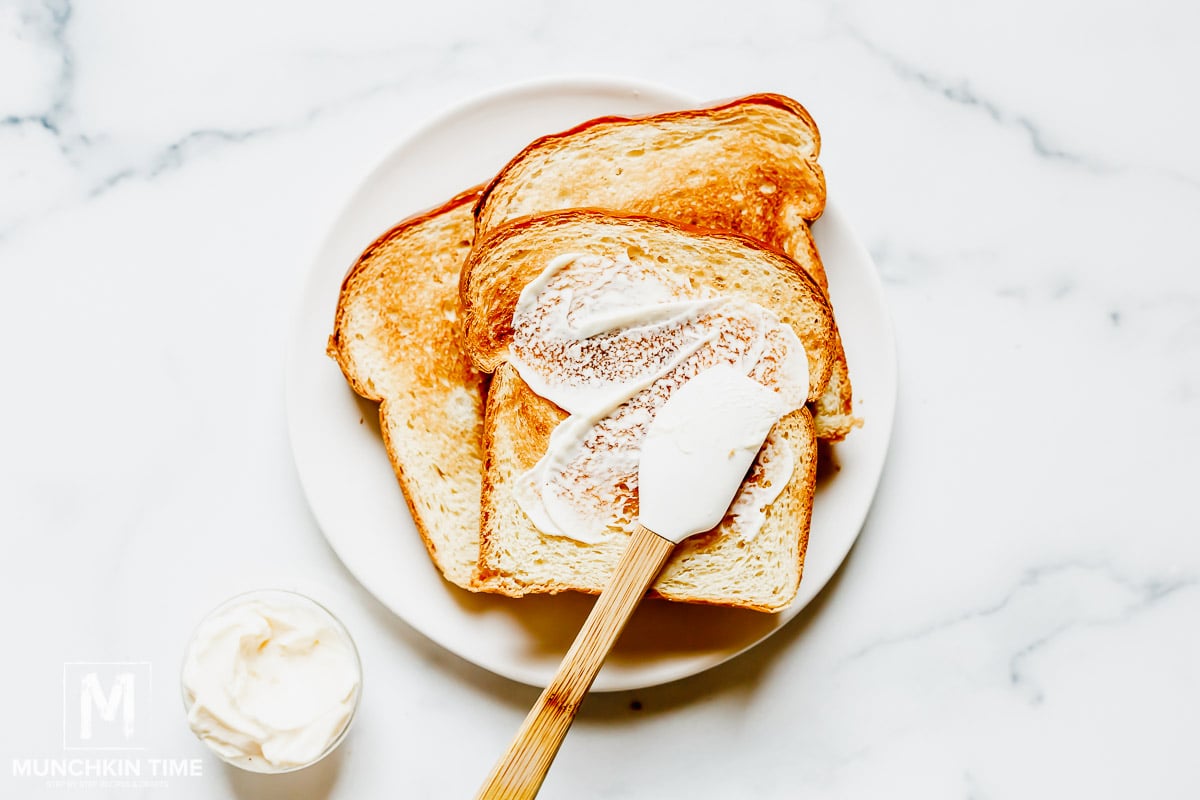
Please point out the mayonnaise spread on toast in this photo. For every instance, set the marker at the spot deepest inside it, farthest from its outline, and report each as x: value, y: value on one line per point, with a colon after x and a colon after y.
x: 608, y: 341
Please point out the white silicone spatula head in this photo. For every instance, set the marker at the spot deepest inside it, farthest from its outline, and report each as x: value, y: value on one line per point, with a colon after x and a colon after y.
x: 698, y: 448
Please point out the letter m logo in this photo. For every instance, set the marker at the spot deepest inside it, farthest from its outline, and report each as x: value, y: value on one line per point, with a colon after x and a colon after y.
x: 105, y: 705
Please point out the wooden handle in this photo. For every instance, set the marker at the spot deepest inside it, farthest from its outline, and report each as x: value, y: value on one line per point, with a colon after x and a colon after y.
x: 520, y: 771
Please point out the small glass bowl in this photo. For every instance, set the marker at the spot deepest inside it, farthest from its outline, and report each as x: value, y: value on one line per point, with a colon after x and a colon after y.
x: 257, y: 763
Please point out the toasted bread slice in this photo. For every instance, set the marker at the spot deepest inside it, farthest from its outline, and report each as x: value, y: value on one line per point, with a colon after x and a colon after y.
x: 397, y: 339
x: 748, y: 166
x: 759, y: 570
x: 725, y: 566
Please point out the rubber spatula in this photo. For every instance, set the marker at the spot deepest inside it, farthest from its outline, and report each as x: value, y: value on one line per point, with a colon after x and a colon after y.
x: 694, y: 457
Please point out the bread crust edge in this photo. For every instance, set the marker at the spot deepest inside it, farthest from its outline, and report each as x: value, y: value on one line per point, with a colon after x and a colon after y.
x: 489, y: 361
x: 337, y: 350
x: 761, y: 98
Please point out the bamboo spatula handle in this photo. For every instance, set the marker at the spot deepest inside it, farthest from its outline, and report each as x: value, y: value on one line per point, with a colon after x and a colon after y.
x: 520, y: 771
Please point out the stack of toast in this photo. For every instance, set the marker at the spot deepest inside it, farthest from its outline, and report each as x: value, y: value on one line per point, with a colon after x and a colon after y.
x: 720, y: 198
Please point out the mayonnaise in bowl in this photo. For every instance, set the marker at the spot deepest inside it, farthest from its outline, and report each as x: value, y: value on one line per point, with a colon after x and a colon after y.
x: 271, y: 681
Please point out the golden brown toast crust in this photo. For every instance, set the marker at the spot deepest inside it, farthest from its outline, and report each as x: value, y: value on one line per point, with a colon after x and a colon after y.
x: 397, y: 340
x: 491, y: 284
x: 337, y: 345
x: 748, y: 165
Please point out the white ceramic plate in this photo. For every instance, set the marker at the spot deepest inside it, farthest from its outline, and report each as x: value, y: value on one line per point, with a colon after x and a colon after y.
x: 357, y: 501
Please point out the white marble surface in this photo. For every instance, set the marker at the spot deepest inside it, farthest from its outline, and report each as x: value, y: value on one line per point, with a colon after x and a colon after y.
x: 1019, y: 616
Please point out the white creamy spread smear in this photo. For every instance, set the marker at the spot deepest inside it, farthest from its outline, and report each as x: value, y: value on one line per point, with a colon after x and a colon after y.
x: 608, y: 341
x: 271, y: 680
